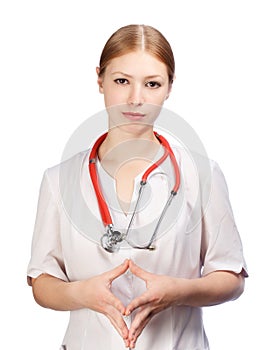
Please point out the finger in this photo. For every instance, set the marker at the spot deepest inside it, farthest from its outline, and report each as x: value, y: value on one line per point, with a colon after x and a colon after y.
x: 139, y: 323
x: 137, y: 333
x: 140, y: 301
x: 118, y: 271
x: 116, y: 303
x: 139, y: 272
x: 118, y: 322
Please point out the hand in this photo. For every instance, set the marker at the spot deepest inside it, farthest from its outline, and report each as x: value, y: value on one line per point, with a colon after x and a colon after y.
x: 161, y: 293
x: 95, y: 293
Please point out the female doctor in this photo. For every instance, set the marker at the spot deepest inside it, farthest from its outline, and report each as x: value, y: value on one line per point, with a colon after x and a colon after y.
x: 133, y: 278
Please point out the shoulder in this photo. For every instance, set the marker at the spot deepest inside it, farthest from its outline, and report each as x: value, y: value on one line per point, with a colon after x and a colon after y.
x: 192, y: 161
x: 66, y: 173
x: 74, y: 163
x: 199, y: 173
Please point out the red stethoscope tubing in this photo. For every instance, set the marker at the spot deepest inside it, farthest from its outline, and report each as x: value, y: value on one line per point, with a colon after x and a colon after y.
x: 166, y: 145
x: 103, y: 208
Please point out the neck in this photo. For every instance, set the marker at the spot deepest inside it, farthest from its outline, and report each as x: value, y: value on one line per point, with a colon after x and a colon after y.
x: 117, y: 137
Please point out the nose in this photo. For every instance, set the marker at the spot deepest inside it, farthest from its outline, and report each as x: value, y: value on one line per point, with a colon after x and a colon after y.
x: 136, y: 96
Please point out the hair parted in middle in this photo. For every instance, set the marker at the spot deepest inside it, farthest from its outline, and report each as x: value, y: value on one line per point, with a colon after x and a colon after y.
x: 135, y: 37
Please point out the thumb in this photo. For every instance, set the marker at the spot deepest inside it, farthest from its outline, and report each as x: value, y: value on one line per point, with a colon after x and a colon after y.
x: 118, y: 271
x: 138, y: 271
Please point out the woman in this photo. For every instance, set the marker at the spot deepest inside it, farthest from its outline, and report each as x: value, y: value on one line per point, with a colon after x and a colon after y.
x: 123, y: 292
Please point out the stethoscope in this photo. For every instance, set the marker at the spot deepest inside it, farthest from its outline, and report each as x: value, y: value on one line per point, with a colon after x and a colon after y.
x: 111, y: 240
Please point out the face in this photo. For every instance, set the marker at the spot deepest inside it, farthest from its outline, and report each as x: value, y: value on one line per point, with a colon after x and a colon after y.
x: 135, y: 87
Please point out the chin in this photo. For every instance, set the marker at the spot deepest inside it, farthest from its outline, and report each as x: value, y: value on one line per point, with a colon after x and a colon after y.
x: 134, y: 128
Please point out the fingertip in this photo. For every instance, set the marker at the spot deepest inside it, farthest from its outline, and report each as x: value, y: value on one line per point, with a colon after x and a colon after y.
x: 125, y: 264
x: 121, y: 308
x: 127, y: 312
x: 132, y: 265
x: 132, y: 341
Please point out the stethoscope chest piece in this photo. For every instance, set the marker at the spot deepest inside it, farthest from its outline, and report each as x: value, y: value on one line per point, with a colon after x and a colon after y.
x: 110, y: 240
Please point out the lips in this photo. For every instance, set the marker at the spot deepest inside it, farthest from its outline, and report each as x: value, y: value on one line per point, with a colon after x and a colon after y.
x: 133, y: 115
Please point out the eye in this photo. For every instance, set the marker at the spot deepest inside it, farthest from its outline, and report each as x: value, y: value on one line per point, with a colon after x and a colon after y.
x: 152, y: 84
x: 121, y: 81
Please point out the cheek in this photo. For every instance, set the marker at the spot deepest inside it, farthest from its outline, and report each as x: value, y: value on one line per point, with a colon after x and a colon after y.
x: 157, y: 98
x: 114, y: 97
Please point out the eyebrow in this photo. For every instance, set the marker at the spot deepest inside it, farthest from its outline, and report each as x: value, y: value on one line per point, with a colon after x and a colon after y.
x: 130, y: 76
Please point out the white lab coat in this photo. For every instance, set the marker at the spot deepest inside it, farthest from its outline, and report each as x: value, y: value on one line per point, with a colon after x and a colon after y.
x: 197, y: 237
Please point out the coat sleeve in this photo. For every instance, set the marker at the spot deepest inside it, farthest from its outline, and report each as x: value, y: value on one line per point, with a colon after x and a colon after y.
x: 221, y: 244
x: 46, y: 250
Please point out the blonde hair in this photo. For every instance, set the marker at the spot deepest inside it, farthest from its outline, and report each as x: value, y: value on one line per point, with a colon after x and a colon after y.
x: 138, y: 37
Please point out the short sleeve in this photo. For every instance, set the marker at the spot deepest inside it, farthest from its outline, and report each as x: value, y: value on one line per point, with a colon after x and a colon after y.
x: 46, y: 250
x: 221, y: 244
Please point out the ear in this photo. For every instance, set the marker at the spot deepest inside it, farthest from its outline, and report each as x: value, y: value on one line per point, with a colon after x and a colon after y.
x: 170, y: 88
x: 99, y: 80
x: 169, y: 92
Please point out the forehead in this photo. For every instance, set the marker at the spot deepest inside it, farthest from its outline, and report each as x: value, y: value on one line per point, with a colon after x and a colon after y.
x: 137, y: 62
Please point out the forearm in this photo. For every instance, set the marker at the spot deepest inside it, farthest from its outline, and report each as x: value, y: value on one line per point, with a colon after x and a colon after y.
x: 93, y: 293
x: 51, y: 292
x: 215, y: 288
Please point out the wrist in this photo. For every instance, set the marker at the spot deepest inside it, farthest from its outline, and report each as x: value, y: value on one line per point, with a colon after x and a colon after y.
x: 187, y: 290
x: 74, y: 293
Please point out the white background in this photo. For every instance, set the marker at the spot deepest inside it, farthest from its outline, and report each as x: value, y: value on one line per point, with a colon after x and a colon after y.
x: 49, y: 51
